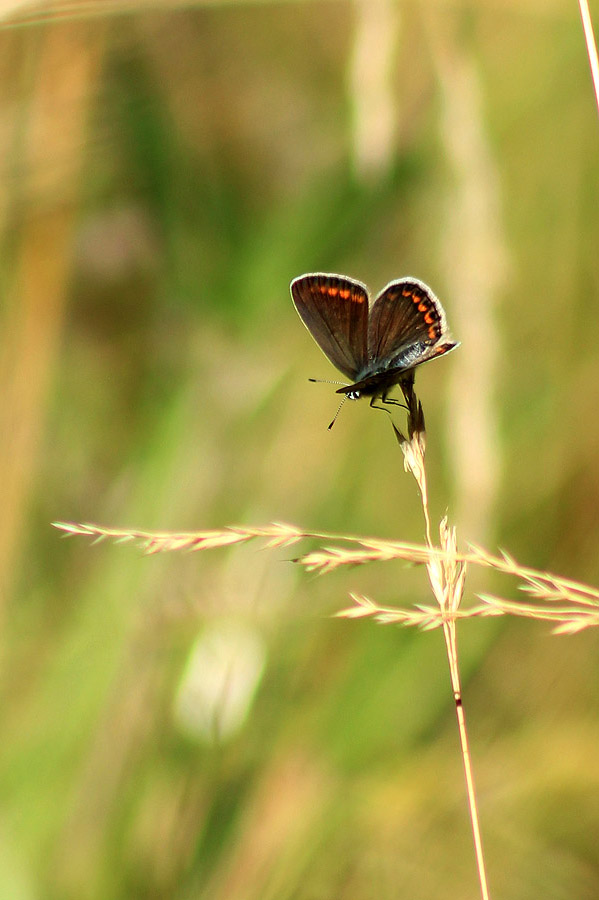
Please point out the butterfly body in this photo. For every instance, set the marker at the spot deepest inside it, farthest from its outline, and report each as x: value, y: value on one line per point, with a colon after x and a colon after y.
x: 376, y: 344
x: 374, y: 383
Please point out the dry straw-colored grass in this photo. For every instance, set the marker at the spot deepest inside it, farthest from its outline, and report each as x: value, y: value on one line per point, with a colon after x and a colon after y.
x: 569, y: 606
x: 579, y: 607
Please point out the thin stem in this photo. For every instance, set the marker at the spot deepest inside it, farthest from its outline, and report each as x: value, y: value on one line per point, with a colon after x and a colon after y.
x: 447, y: 582
x: 591, y: 46
x: 452, y: 656
x: 427, y: 518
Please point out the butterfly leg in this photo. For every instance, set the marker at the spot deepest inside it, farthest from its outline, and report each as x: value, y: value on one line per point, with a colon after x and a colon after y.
x: 386, y: 401
x: 374, y: 406
x: 392, y: 401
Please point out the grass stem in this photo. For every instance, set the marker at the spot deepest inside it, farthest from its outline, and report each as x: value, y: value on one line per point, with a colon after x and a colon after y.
x: 589, y: 37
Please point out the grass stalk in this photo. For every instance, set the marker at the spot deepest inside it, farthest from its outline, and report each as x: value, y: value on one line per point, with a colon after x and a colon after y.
x: 447, y: 576
x: 589, y: 37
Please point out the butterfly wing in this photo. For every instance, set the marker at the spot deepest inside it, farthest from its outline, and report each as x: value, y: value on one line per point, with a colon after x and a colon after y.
x: 407, y: 326
x: 334, y: 309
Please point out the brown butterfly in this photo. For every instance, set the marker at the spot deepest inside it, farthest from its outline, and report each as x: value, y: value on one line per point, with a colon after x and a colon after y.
x: 377, y: 345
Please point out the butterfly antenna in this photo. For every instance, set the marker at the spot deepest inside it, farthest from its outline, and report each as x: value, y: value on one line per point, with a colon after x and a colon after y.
x: 338, y: 408
x: 326, y: 381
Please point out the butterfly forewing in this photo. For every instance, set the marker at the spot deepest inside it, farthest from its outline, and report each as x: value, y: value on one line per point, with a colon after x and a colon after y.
x: 406, y: 314
x: 334, y: 309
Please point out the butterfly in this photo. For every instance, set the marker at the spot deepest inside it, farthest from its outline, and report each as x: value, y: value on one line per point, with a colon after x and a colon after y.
x: 377, y: 345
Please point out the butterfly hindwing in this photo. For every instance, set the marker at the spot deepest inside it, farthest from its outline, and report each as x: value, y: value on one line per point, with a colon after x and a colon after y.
x: 334, y: 309
x: 406, y: 323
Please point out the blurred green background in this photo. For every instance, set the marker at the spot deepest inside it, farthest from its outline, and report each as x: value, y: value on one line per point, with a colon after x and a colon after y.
x: 197, y: 726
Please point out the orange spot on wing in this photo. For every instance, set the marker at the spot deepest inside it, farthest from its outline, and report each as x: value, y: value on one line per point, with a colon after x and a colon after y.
x: 429, y: 318
x: 345, y: 294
